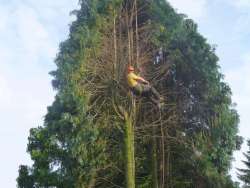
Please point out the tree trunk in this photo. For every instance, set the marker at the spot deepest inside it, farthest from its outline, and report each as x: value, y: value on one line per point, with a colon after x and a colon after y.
x: 129, y: 153
x: 137, y: 35
x: 115, y: 45
x: 163, y: 155
x: 92, y: 180
x: 154, y: 167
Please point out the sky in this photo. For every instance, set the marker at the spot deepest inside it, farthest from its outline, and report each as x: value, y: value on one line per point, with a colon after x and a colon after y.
x: 30, y: 33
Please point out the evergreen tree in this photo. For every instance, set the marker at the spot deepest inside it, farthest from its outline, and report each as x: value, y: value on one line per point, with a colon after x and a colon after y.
x: 96, y: 134
x: 244, y: 174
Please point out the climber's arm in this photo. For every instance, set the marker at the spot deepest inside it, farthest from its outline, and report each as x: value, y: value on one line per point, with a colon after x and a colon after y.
x: 140, y: 79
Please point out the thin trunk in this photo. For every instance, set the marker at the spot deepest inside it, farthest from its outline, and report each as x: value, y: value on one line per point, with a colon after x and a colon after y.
x: 131, y: 32
x: 129, y: 42
x: 115, y: 45
x: 136, y: 33
x: 120, y: 49
x: 168, y: 175
x: 133, y: 133
x: 163, y: 155
x: 92, y: 181
x: 154, y: 167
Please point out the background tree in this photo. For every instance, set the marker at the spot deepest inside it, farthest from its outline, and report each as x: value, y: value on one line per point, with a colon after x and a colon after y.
x: 244, y: 174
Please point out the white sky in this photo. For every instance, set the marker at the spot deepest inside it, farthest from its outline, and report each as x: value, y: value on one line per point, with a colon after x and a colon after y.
x: 30, y: 32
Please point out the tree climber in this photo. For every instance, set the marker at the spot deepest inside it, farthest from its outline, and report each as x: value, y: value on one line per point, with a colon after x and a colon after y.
x: 141, y: 87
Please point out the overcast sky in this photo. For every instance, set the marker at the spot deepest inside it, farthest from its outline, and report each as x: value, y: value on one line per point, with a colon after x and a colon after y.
x: 30, y: 32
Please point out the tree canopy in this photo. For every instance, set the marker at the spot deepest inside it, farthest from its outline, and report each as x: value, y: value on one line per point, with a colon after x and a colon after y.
x: 97, y: 134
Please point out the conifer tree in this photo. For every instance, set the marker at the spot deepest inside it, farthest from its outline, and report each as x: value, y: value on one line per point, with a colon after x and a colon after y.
x: 244, y: 174
x: 97, y: 134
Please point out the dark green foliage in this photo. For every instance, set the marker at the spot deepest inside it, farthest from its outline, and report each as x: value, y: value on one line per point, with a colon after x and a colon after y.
x: 25, y: 179
x: 79, y: 146
x: 203, y: 99
x: 244, y: 174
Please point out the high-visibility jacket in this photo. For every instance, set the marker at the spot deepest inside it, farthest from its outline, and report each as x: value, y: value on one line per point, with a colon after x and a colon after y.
x: 132, y: 79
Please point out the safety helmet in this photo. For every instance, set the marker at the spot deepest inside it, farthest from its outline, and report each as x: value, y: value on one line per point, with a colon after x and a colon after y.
x: 130, y: 68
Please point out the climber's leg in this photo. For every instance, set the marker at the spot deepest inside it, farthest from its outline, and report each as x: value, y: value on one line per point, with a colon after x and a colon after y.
x: 155, y: 93
x: 145, y: 90
x: 137, y: 90
x: 151, y: 93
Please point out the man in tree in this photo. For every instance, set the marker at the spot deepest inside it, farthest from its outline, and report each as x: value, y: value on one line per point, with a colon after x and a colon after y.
x: 141, y: 87
x: 245, y: 173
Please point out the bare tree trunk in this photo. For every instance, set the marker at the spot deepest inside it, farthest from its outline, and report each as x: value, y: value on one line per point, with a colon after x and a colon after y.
x: 129, y: 152
x: 154, y: 167
x: 132, y: 43
x: 136, y: 33
x: 115, y: 45
x: 129, y: 42
x: 168, y: 173
x: 129, y: 128
x: 92, y: 180
x: 163, y: 155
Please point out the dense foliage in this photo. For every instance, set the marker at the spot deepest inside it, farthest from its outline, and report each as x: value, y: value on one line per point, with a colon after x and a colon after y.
x: 244, y: 175
x: 84, y: 139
